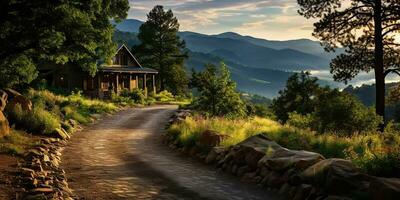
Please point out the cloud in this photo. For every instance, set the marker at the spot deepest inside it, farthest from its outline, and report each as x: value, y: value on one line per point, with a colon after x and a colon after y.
x: 262, y: 18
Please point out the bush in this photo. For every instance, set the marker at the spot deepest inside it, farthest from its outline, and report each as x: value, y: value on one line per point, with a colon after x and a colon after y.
x: 301, y: 121
x: 137, y: 95
x: 164, y: 97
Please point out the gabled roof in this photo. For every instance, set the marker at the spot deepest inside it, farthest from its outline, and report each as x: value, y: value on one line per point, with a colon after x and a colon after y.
x: 130, y: 53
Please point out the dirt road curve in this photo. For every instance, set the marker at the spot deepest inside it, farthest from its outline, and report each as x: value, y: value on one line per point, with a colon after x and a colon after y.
x: 121, y: 157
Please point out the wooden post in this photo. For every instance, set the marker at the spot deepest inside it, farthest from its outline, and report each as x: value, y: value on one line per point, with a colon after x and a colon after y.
x: 116, y: 83
x: 145, y: 84
x: 130, y: 82
x: 137, y: 82
x: 154, y: 84
x: 123, y: 82
x: 99, y: 89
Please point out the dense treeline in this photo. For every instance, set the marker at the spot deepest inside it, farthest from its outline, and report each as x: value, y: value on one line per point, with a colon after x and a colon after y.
x: 40, y: 31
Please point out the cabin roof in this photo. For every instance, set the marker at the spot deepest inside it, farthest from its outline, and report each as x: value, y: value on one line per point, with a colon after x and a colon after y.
x: 123, y: 46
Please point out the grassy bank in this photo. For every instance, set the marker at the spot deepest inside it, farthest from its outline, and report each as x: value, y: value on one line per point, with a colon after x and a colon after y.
x: 375, y: 153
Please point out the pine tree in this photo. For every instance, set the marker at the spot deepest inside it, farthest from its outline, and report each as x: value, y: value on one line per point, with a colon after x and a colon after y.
x: 218, y: 96
x: 367, y: 29
x: 161, y: 48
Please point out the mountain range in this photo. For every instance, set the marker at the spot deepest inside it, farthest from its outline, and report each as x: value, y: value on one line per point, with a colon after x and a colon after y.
x: 257, y: 65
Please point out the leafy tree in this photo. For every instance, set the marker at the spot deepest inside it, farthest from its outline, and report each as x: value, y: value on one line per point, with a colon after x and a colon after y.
x: 340, y: 112
x: 367, y: 29
x: 217, y: 92
x: 162, y: 49
x: 296, y: 97
x: 59, y: 32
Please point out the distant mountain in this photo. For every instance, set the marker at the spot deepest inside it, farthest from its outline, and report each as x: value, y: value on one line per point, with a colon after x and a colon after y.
x: 128, y: 25
x: 258, y: 66
x: 302, y: 45
x: 249, y: 54
x: 264, y: 82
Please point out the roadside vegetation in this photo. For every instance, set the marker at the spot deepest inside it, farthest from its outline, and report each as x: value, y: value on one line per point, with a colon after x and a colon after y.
x: 304, y: 117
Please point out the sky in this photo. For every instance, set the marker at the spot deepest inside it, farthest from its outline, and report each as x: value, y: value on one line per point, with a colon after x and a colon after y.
x: 269, y: 19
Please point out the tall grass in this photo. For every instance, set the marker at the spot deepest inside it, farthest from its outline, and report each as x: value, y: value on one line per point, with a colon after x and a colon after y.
x: 376, y: 153
x: 50, y: 110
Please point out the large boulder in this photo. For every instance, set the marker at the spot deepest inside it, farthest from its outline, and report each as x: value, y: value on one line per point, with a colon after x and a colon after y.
x: 211, y: 138
x: 283, y: 159
x: 336, y: 176
x: 253, y: 149
x: 15, y: 98
x: 3, y: 99
x: 4, y: 126
x: 384, y: 189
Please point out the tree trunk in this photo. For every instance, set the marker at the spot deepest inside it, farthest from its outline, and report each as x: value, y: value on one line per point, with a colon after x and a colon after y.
x: 379, y: 70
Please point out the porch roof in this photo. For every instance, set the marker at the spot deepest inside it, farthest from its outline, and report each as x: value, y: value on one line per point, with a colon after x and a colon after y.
x: 127, y: 69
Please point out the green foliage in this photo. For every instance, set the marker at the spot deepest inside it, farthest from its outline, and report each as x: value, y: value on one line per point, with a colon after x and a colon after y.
x: 137, y: 95
x: 307, y: 105
x: 50, y: 110
x: 164, y: 96
x: 296, y: 97
x: 342, y: 113
x: 58, y: 32
x: 38, y: 121
x: 301, y: 121
x: 218, y: 96
x: 162, y: 49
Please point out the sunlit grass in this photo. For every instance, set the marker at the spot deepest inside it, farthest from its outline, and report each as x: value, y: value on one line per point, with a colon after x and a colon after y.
x: 16, y: 143
x: 374, y: 152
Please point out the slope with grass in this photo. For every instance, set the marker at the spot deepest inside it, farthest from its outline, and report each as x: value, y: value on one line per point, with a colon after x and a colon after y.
x: 375, y: 153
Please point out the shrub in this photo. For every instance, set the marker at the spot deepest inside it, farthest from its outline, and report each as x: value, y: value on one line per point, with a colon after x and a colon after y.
x: 301, y: 121
x: 164, y: 96
x: 137, y: 95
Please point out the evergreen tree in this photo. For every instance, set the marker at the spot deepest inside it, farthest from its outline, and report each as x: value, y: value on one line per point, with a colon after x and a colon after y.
x: 367, y: 29
x: 218, y: 96
x: 61, y: 32
x: 296, y: 97
x: 161, y: 48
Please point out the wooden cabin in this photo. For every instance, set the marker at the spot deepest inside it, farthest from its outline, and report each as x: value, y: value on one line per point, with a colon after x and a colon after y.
x: 124, y: 72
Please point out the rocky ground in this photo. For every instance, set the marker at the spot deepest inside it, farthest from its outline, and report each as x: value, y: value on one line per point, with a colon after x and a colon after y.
x: 122, y: 157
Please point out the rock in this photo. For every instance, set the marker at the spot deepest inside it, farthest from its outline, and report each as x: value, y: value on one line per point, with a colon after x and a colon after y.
x: 213, y: 154
x: 336, y: 176
x: 36, y: 197
x: 384, y: 188
x: 60, y: 133
x: 253, y: 149
x: 302, y: 192
x: 3, y: 99
x: 211, y: 139
x: 336, y: 198
x: 242, y: 170
x: 4, y: 125
x: 282, y: 159
x: 15, y: 98
x: 275, y: 180
x: 28, y: 172
x: 41, y: 190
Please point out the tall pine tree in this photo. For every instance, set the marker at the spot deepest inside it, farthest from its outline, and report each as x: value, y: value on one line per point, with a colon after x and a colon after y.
x: 161, y: 48
x: 367, y: 29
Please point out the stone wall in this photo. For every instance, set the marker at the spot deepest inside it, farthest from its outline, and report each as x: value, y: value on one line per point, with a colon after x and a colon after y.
x: 293, y: 174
